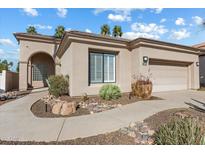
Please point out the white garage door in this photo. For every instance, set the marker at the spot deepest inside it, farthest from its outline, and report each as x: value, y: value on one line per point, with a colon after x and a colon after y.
x: 168, y: 78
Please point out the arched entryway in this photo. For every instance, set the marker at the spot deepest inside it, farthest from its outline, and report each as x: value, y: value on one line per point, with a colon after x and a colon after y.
x: 40, y: 67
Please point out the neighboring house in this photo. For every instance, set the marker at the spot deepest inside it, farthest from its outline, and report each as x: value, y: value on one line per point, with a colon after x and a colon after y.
x: 201, y: 46
x: 93, y: 60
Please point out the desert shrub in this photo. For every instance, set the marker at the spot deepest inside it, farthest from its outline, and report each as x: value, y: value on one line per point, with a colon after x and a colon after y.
x: 109, y: 92
x: 84, y: 97
x: 58, y: 85
x: 141, y: 87
x: 180, y: 131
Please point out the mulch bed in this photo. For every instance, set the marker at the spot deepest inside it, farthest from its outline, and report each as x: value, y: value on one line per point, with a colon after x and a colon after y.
x: 114, y: 138
x: 123, y: 100
x: 163, y: 117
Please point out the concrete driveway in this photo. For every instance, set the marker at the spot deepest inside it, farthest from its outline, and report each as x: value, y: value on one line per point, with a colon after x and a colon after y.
x: 18, y: 123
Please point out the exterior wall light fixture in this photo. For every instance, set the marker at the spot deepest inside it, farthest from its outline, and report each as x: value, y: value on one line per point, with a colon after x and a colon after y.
x: 145, y: 60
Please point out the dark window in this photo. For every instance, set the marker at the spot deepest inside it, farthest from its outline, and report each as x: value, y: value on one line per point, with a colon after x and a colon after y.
x: 40, y: 72
x: 102, y: 67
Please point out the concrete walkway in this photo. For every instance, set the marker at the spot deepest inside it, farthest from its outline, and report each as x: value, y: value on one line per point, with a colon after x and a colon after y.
x: 18, y: 123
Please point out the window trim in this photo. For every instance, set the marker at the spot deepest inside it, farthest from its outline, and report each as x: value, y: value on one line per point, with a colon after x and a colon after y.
x: 89, y: 69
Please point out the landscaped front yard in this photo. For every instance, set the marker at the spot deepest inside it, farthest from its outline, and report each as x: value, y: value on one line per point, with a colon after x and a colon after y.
x: 173, y: 126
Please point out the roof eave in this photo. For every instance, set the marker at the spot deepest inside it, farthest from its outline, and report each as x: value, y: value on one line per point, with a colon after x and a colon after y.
x: 40, y: 38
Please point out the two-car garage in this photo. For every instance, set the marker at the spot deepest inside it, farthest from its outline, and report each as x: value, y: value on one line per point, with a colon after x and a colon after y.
x: 169, y: 75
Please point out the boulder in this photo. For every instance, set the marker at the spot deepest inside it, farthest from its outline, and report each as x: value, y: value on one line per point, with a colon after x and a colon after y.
x: 91, y: 112
x: 144, y: 129
x: 132, y: 134
x: 68, y: 108
x: 56, y: 109
x: 132, y: 124
x: 150, y: 141
x: 151, y: 132
x: 3, y: 97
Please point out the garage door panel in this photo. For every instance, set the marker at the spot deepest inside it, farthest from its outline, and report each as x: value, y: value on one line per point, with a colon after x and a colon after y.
x: 167, y: 78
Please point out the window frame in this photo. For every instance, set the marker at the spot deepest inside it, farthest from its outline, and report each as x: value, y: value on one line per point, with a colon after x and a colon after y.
x: 89, y: 63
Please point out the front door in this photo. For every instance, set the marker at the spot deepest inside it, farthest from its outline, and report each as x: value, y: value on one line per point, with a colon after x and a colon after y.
x: 39, y: 75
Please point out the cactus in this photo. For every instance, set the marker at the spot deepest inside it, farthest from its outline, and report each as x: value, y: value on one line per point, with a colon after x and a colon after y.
x: 180, y: 131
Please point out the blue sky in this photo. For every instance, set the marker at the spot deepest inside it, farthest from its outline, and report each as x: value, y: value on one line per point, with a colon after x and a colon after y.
x: 181, y: 26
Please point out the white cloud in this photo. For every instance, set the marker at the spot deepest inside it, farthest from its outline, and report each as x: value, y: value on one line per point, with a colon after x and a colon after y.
x: 68, y: 29
x: 157, y: 10
x: 180, y: 34
x: 148, y: 28
x: 163, y: 20
x: 117, y: 14
x: 119, y: 17
x: 1, y: 52
x: 62, y: 12
x: 6, y: 42
x: 180, y: 21
x: 197, y: 20
x: 10, y: 54
x: 39, y: 26
x: 88, y: 30
x: 119, y: 10
x: 151, y: 30
x: 30, y: 12
x: 134, y: 35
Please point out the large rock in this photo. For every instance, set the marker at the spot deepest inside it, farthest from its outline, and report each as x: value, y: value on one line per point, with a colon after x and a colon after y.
x: 56, y: 109
x: 68, y: 108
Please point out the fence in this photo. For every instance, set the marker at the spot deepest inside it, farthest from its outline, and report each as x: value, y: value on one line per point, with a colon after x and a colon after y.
x: 9, y: 81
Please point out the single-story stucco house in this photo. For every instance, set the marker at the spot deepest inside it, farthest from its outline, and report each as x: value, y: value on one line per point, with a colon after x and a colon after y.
x: 93, y: 60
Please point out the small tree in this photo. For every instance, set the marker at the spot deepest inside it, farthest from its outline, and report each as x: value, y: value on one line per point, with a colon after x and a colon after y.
x: 59, y: 31
x: 5, y: 65
x: 117, y: 31
x: 105, y: 29
x: 31, y: 30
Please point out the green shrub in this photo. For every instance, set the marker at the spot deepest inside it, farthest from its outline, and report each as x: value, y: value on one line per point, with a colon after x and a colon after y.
x: 109, y: 92
x: 58, y: 85
x: 180, y: 131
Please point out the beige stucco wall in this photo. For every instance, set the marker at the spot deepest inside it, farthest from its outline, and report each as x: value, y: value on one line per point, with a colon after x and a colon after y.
x: 193, y: 70
x: 75, y: 63
x: 27, y: 49
x: 9, y: 80
x: 67, y: 66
